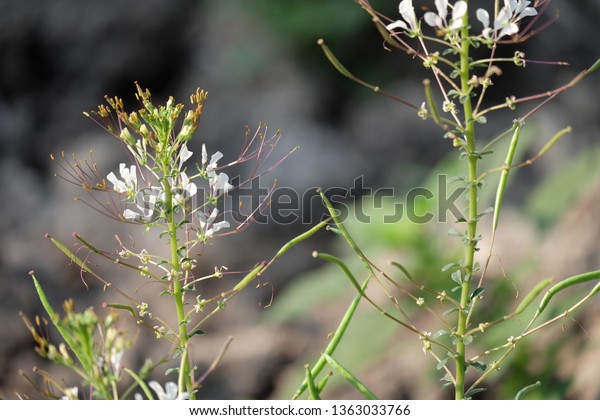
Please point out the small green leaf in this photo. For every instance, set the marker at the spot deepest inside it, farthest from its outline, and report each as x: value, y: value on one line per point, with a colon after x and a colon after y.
x: 449, y: 266
x: 442, y: 363
x: 477, y: 292
x: 172, y: 370
x: 456, y: 277
x: 197, y: 332
x: 479, y: 366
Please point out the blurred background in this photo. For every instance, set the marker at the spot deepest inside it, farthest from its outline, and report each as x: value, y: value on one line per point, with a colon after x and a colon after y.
x: 259, y: 61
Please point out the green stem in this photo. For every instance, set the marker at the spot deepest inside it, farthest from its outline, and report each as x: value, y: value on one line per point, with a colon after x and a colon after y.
x: 473, y: 213
x: 185, y: 379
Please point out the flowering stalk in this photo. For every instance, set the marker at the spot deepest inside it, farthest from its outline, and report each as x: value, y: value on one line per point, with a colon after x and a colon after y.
x: 472, y: 159
x: 185, y: 380
x: 157, y: 191
x: 463, y: 80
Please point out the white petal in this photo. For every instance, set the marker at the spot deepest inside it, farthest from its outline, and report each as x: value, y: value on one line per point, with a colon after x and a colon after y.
x: 460, y: 8
x: 188, y: 186
x: 396, y: 24
x: 442, y: 8
x: 213, y: 162
x: 171, y: 390
x: 433, y: 20
x: 503, y: 16
x: 483, y: 17
x: 407, y: 11
x: 184, y: 155
x: 219, y: 182
x: 204, y: 155
x: 220, y: 225
x: 530, y: 11
x: 156, y: 387
x: 130, y: 214
x: 114, y: 180
x: 455, y: 24
x: 213, y: 216
x: 509, y: 29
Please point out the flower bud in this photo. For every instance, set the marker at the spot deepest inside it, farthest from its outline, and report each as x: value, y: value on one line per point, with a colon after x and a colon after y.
x: 127, y: 137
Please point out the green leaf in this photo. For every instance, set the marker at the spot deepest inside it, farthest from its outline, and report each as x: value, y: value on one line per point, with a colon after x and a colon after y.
x: 172, y: 370
x: 477, y: 292
x: 197, y: 332
x: 456, y: 277
x: 449, y: 266
x: 479, y: 366
x: 442, y: 363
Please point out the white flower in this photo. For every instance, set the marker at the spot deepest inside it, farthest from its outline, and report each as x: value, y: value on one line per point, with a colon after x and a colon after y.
x: 219, y: 183
x: 116, y: 357
x: 70, y: 394
x: 184, y: 155
x: 183, y: 191
x: 507, y: 19
x: 171, y: 392
x: 208, y: 225
x: 407, y: 11
x: 146, y: 201
x: 187, y: 185
x: 212, y: 165
x: 129, y: 183
x: 439, y: 20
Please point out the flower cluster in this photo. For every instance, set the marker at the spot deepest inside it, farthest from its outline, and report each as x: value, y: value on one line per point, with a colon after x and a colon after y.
x: 150, y: 199
x: 439, y: 20
x: 505, y: 23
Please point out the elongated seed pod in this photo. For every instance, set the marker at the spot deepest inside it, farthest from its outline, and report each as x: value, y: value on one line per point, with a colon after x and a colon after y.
x: 69, y: 253
x: 535, y: 292
x: 504, y: 174
x: 345, y: 373
x: 571, y: 281
x: 243, y: 283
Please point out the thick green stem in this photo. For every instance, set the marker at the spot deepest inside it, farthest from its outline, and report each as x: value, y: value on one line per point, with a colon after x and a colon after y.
x: 185, y: 380
x: 469, y: 137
